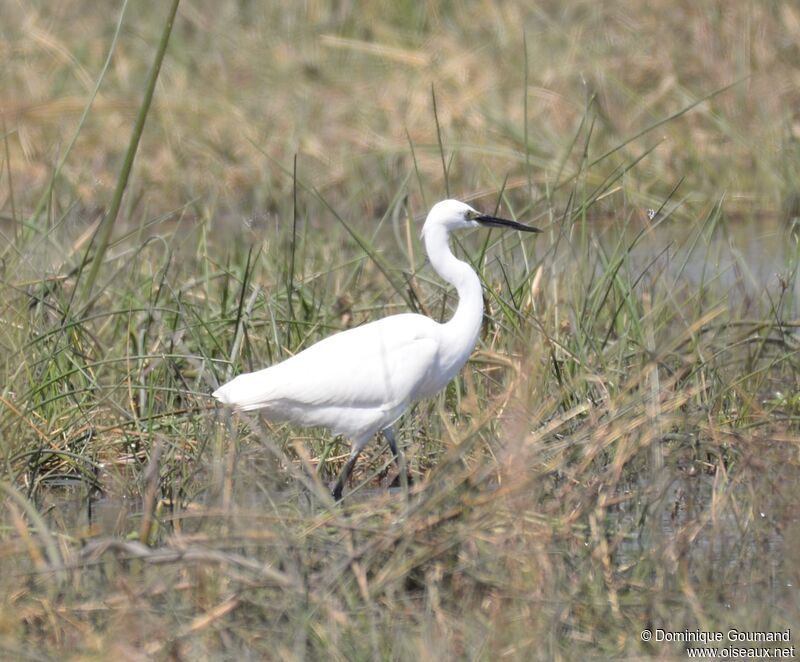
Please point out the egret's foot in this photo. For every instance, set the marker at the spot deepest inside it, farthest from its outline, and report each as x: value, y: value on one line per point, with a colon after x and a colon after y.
x: 397, y: 481
x: 344, y: 474
x: 336, y: 491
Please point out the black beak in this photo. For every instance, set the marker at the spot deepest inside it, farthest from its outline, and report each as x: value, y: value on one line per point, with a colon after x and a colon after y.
x: 494, y: 222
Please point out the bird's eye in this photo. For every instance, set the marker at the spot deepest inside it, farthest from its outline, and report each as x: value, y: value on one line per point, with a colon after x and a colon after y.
x: 471, y: 215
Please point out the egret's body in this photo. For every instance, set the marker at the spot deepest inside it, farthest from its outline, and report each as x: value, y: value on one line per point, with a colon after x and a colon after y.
x: 360, y: 381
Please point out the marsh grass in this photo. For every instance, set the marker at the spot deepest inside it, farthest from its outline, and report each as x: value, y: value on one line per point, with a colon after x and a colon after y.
x: 619, y: 453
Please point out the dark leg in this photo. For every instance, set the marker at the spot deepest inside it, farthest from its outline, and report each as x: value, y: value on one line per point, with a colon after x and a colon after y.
x: 399, y: 458
x: 344, y: 474
x: 389, y: 434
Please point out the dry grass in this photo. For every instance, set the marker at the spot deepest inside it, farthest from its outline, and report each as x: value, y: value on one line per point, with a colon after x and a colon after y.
x: 346, y: 87
x: 620, y: 453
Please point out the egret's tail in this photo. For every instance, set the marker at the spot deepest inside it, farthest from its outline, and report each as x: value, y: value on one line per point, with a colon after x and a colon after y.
x: 245, y: 392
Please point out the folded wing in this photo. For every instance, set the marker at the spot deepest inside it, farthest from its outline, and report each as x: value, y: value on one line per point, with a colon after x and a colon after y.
x: 349, y: 381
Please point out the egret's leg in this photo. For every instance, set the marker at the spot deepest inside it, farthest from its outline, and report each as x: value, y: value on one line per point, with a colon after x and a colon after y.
x: 389, y: 434
x: 344, y: 474
x: 399, y: 457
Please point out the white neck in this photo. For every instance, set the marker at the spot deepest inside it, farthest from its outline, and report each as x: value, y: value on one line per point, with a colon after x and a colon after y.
x: 461, y: 332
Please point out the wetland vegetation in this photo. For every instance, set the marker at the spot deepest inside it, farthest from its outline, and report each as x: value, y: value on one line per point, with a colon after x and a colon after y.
x: 621, y: 452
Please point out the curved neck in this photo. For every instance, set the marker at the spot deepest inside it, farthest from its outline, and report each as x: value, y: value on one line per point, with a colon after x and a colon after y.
x: 461, y: 332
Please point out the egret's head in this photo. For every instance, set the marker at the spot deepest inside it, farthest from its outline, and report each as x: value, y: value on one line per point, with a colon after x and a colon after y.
x: 455, y: 215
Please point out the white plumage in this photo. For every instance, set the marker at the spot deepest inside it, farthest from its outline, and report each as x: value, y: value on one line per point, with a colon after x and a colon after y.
x: 350, y: 382
x: 360, y: 381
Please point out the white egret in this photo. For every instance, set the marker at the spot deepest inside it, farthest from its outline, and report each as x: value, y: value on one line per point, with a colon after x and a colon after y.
x: 360, y: 381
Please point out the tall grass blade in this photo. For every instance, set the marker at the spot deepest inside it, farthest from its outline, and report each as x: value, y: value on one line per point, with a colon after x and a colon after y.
x: 104, y: 231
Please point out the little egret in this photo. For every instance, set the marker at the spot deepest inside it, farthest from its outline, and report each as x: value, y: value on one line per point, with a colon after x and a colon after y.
x: 360, y: 381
